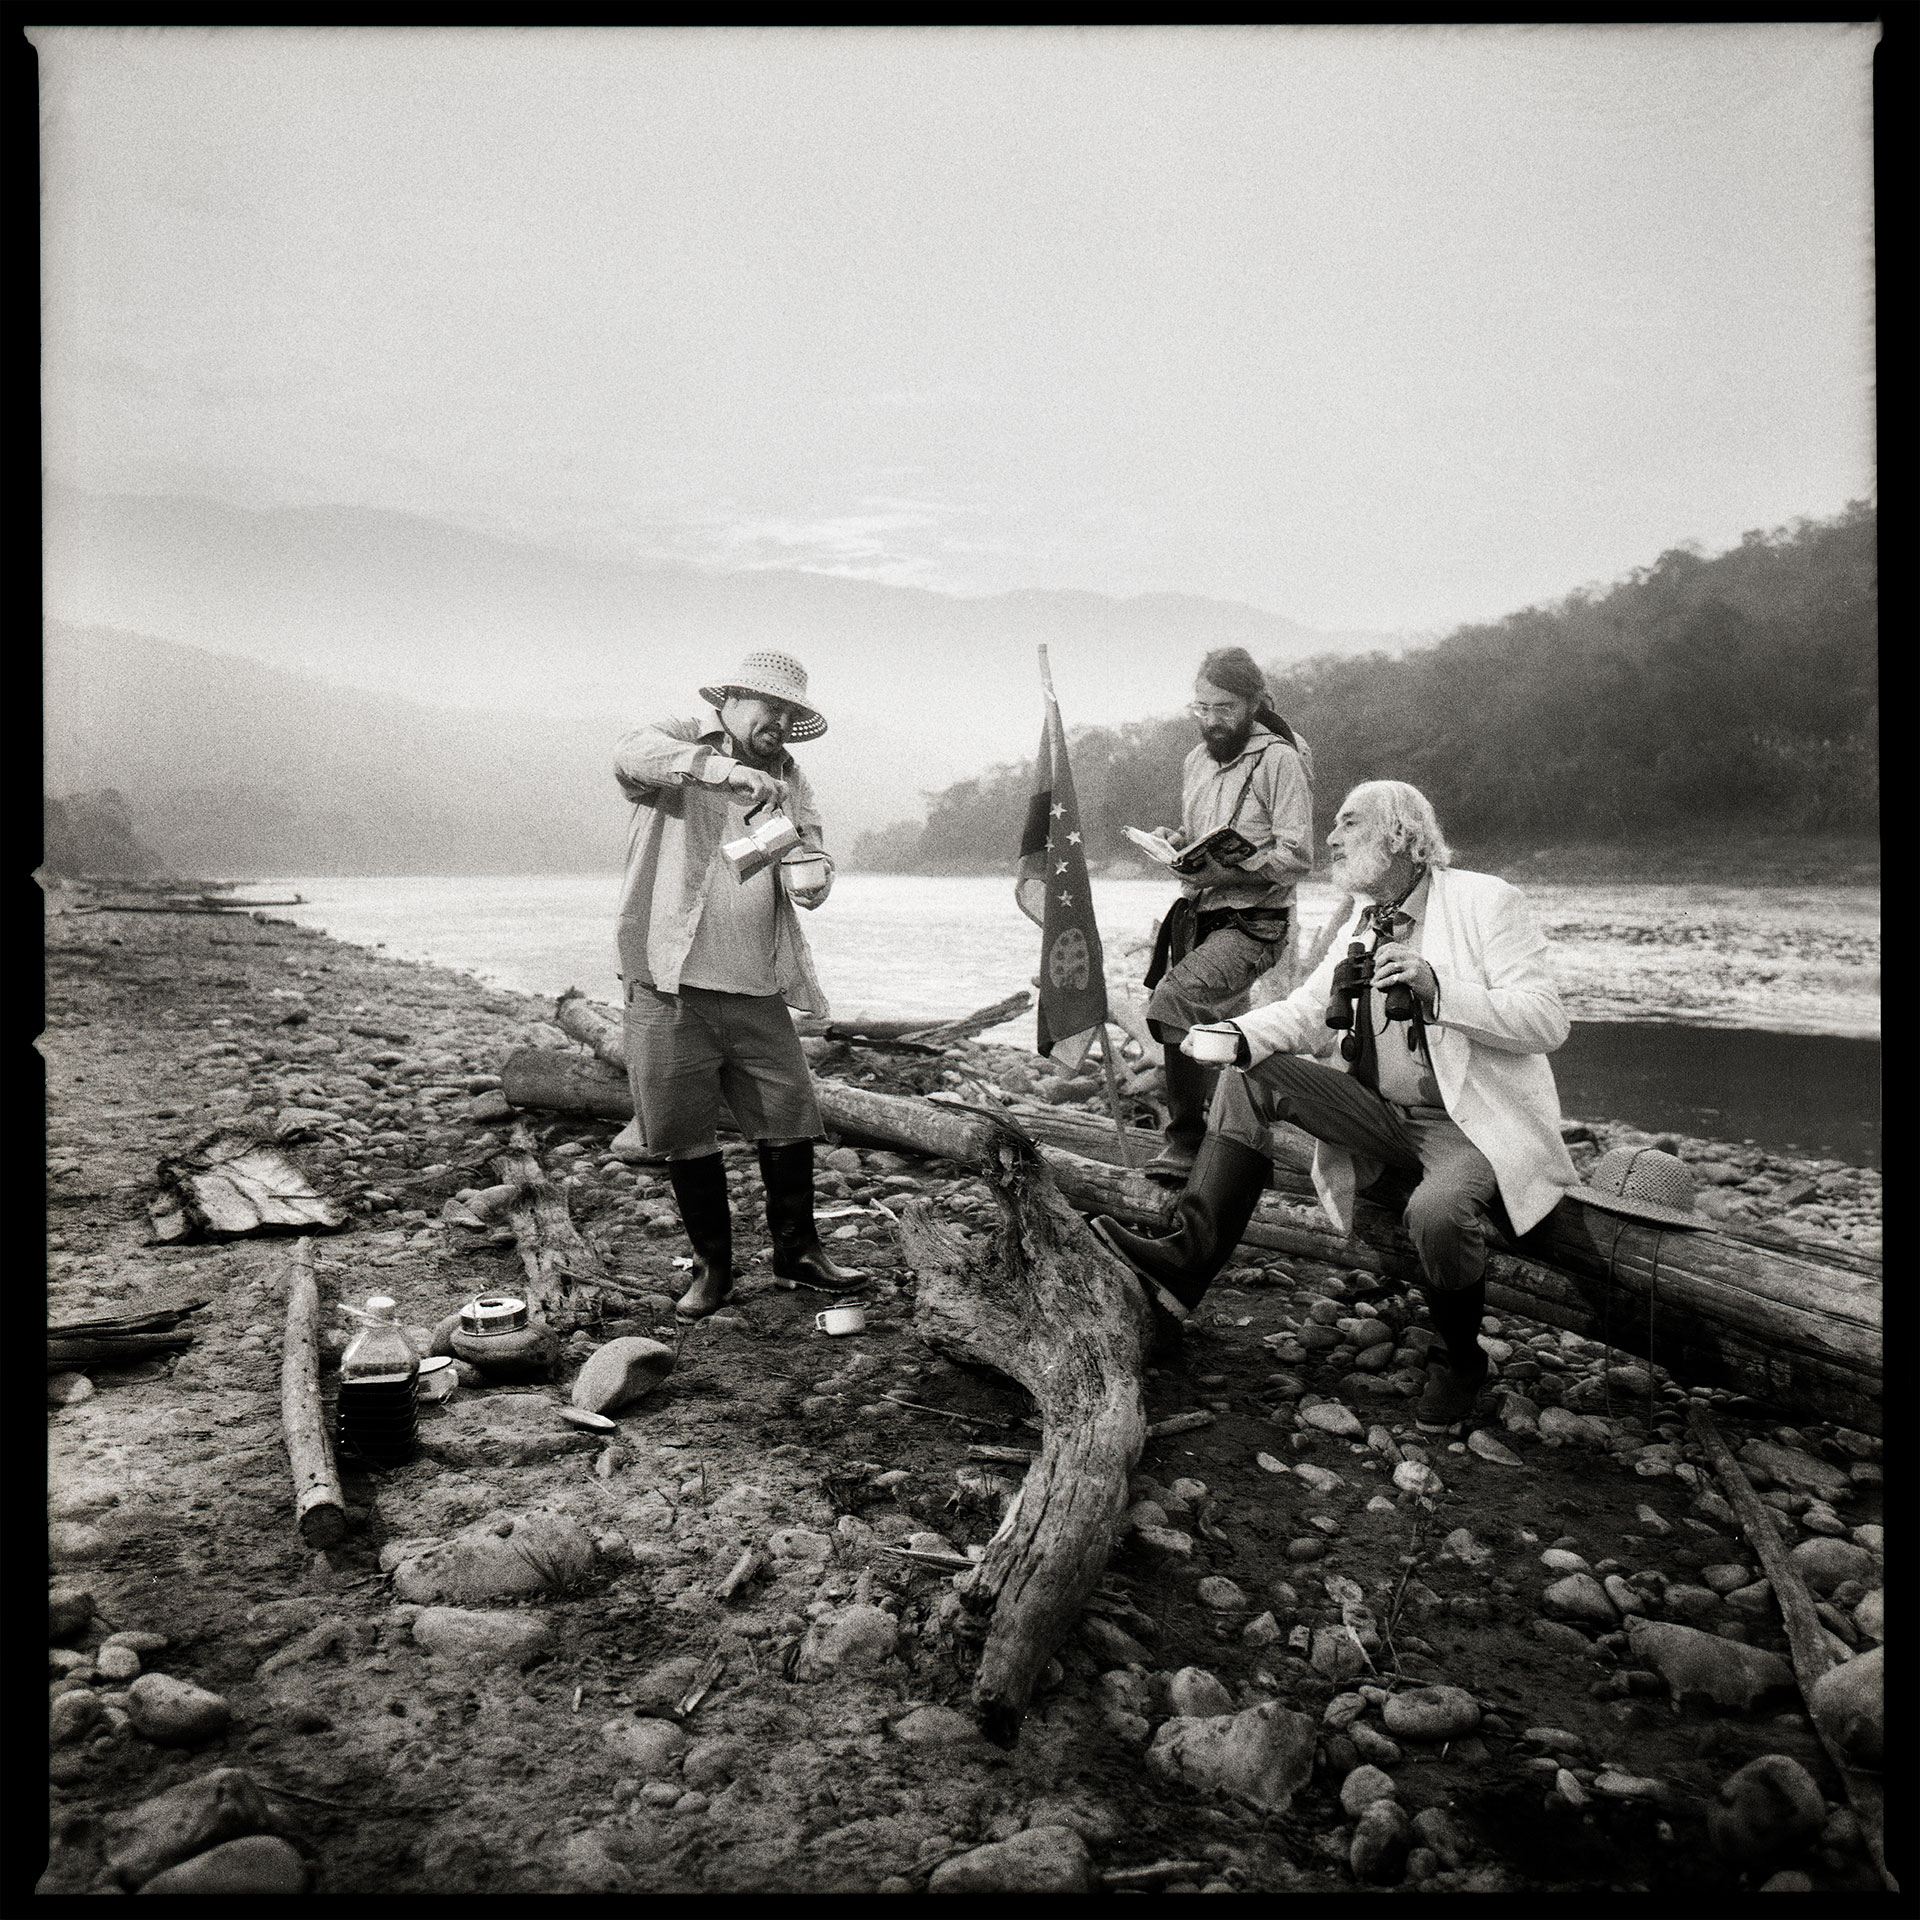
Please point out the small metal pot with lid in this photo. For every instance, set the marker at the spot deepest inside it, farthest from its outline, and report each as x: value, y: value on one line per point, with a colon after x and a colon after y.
x: 495, y: 1333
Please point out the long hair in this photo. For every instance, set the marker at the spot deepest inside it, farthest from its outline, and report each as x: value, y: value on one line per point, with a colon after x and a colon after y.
x: 1403, y: 816
x: 1233, y: 670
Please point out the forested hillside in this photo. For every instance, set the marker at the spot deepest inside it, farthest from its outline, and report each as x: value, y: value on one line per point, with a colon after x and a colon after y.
x: 1732, y: 691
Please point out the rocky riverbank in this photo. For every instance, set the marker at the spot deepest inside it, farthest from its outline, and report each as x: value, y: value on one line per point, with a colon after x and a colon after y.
x: 1333, y: 1650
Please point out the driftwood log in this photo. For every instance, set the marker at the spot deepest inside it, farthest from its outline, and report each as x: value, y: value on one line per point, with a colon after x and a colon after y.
x: 558, y: 1262
x: 1052, y: 1309
x: 1807, y: 1639
x: 319, y: 1508
x: 1789, y: 1323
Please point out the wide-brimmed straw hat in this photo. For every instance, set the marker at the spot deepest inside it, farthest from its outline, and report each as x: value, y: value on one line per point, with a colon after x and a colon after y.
x: 1644, y: 1184
x: 776, y: 676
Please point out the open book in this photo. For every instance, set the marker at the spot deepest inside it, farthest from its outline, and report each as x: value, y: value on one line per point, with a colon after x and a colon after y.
x: 1224, y: 845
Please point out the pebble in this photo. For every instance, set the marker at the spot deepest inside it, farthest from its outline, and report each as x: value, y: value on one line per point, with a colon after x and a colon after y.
x: 1330, y: 1416
x: 1336, y: 1654
x: 75, y: 1540
x: 1628, y: 1599
x: 1580, y: 1597
x: 1821, y: 1518
x: 1728, y: 1577
x: 936, y: 1727
x: 1343, y: 1710
x: 1443, y: 1835
x: 69, y: 1611
x: 1363, y: 1786
x: 1373, y: 1746
x: 1038, y: 1860
x: 647, y: 1747
x: 1870, y: 1616
x: 68, y: 1389
x: 495, y: 1639
x: 1220, y: 1595
x: 1381, y: 1841
x: 1558, y: 1635
x: 1707, y: 1667
x: 1768, y: 1810
x: 1414, y: 1476
x: 261, y: 1864
x: 1262, y: 1754
x: 1431, y: 1713
x: 856, y: 1640
x: 1823, y: 1563
x: 1794, y: 1468
x: 142, y: 1643
x: 1197, y: 1694
x: 72, y: 1716
x: 1559, y: 1560
x: 176, y: 1712
x: 1568, y: 1787
x: 184, y: 1821
x: 117, y: 1663
x: 1483, y: 1444
x: 1305, y: 1549
x: 1755, y: 1600
x: 620, y: 1372
x: 502, y: 1556
x: 1262, y: 1631
x: 1849, y: 1707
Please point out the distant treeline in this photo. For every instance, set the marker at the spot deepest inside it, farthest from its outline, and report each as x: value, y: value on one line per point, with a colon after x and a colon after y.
x: 1736, y: 690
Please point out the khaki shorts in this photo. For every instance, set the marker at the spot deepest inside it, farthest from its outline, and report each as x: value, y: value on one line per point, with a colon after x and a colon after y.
x: 690, y: 1052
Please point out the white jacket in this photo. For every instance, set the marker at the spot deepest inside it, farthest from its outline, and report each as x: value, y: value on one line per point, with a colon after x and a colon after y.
x: 1499, y: 1018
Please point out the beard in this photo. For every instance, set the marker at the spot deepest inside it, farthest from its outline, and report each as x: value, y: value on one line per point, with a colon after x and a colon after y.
x: 1360, y: 869
x: 1227, y: 743
x: 759, y: 747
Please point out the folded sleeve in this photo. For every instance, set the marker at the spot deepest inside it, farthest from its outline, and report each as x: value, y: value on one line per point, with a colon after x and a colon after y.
x: 666, y: 754
x: 1516, y: 1007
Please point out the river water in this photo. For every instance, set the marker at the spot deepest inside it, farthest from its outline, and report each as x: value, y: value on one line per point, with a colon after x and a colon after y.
x: 1738, y: 1013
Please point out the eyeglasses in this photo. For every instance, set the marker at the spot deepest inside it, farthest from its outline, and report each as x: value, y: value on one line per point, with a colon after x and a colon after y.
x: 1214, y: 713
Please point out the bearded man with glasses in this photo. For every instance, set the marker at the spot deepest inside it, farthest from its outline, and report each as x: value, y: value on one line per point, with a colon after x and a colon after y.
x: 712, y: 957
x: 1251, y: 772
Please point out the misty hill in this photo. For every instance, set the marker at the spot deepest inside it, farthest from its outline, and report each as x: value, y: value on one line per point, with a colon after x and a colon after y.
x: 92, y: 835
x: 921, y: 688
x: 1738, y: 691
x: 230, y: 767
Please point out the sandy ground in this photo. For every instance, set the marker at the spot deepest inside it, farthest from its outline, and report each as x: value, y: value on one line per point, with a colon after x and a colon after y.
x: 813, y: 1762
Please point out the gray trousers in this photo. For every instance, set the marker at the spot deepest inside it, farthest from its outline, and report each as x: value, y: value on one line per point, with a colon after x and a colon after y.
x: 1449, y: 1211
x: 1211, y: 983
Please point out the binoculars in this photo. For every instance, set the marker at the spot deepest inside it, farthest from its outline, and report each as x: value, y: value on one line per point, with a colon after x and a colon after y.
x: 760, y: 845
x: 1351, y: 978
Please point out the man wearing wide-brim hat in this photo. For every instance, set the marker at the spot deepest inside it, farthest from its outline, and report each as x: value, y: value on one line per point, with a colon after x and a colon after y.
x: 712, y: 958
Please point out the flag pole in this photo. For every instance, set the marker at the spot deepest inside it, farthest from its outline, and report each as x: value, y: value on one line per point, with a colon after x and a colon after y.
x: 1106, y: 1047
x: 1113, y: 1099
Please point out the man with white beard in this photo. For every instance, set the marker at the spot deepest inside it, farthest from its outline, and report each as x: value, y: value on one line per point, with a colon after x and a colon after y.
x: 1447, y: 1079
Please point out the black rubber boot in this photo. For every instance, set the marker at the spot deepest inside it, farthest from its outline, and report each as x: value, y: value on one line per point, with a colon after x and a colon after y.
x: 1189, y: 1093
x: 1210, y: 1216
x: 787, y: 1174
x: 1453, y: 1384
x: 700, y: 1192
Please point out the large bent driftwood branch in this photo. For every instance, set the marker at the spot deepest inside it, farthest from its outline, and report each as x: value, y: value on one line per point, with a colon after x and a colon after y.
x: 1795, y: 1325
x: 556, y: 1259
x: 1051, y: 1308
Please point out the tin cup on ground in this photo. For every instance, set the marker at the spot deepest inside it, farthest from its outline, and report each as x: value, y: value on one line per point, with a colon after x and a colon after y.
x: 841, y: 1320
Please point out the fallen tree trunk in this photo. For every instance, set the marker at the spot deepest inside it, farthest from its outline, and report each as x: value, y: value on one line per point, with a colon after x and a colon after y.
x: 65, y: 1353
x: 1789, y: 1324
x: 319, y: 1508
x: 1052, y: 1309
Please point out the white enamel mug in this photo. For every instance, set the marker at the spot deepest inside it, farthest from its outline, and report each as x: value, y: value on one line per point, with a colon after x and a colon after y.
x: 839, y: 1320
x: 1216, y: 1045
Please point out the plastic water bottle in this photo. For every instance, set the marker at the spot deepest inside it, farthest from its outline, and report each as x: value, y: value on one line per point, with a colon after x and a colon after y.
x: 378, y: 1423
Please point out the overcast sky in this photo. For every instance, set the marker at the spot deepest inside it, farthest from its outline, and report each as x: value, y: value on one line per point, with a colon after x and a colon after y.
x: 1382, y: 328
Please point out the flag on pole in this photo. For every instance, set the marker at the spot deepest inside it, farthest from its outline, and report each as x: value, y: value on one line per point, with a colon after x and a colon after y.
x: 1054, y: 892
